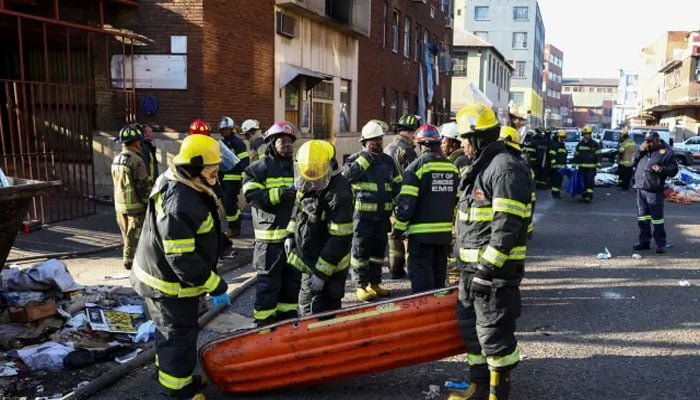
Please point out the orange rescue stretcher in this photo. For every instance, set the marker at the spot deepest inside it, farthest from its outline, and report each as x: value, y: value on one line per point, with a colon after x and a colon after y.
x: 336, y: 345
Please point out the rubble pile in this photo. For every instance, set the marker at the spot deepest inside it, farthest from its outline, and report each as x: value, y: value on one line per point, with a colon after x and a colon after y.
x: 684, y: 188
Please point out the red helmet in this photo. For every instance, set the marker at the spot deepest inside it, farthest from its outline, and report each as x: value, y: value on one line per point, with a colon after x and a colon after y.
x: 427, y: 134
x: 281, y: 128
x: 198, y: 126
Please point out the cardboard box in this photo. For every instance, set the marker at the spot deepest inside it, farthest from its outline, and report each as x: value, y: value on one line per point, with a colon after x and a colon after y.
x: 33, y: 311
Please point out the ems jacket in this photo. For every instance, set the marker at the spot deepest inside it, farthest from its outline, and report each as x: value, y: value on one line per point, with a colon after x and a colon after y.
x: 557, y: 155
x: 321, y: 226
x: 265, y: 183
x: 645, y: 178
x: 627, y: 150
x: 427, y: 200
x: 402, y: 151
x: 148, y: 152
x: 376, y: 181
x: 239, y: 149
x: 587, y: 154
x: 131, y: 184
x: 179, y: 244
x: 494, y: 212
x: 460, y: 160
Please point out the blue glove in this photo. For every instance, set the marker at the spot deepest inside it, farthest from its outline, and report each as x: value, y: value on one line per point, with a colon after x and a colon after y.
x: 223, y: 298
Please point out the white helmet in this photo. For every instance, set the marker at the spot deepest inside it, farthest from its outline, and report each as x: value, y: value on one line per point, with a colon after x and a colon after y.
x: 250, y: 124
x: 372, y: 129
x: 226, y: 123
x: 449, y: 130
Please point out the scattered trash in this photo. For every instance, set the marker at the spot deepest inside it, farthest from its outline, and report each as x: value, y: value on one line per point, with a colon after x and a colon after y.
x: 456, y: 385
x: 127, y: 357
x: 669, y: 245
x: 79, y: 321
x: 109, y: 320
x: 8, y: 369
x: 146, y: 332
x: 118, y: 275
x: 45, y: 356
x: 19, y: 299
x: 636, y: 256
x: 46, y: 275
x: 684, y: 283
x: 432, y: 393
x: 606, y: 255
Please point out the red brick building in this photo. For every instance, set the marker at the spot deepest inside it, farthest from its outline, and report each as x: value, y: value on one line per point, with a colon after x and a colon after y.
x: 551, y: 85
x: 390, y: 58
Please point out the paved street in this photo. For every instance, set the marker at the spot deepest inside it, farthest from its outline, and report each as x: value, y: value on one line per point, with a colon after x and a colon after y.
x: 622, y: 328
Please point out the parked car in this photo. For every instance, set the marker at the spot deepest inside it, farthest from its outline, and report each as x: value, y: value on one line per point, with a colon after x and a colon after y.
x: 573, y: 136
x: 692, y: 145
x: 683, y: 156
x: 610, y: 138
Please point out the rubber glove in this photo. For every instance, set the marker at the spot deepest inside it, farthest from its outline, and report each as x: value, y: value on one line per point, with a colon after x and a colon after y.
x: 223, y: 298
x: 316, y: 284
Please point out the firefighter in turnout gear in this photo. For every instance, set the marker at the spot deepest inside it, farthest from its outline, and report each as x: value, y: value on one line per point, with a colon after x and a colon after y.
x: 268, y: 184
x: 176, y: 259
x: 131, y: 187
x: 588, y: 158
x: 451, y: 147
x: 626, y: 152
x: 319, y: 234
x: 256, y: 143
x: 402, y: 150
x: 376, y: 181
x: 428, y: 181
x: 557, y: 161
x: 148, y: 152
x: 231, y: 180
x: 494, y: 213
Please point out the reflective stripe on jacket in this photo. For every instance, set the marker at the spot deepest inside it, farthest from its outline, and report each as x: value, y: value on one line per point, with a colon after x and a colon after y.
x: 557, y: 154
x: 588, y: 154
x: 627, y: 151
x: 375, y: 186
x: 131, y: 183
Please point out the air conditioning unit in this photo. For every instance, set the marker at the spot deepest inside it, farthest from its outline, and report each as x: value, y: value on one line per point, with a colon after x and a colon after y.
x: 449, y: 23
x: 286, y: 25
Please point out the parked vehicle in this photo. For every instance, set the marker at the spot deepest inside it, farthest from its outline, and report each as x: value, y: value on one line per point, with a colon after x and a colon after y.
x: 692, y: 145
x: 573, y: 136
x: 683, y: 156
x: 610, y: 139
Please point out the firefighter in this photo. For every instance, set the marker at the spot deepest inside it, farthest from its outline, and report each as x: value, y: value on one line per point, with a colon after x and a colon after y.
x: 256, y: 143
x: 451, y: 146
x: 428, y: 181
x: 268, y: 185
x: 231, y: 180
x: 494, y: 213
x: 654, y: 163
x: 131, y: 187
x: 319, y: 234
x: 199, y: 127
x: 529, y: 149
x: 148, y: 152
x: 511, y: 137
x: 402, y: 150
x: 626, y: 152
x: 376, y: 181
x: 557, y: 161
x: 588, y: 158
x: 176, y: 259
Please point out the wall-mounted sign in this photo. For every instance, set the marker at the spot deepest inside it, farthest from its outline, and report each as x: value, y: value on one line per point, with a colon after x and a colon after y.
x: 178, y: 44
x: 152, y: 71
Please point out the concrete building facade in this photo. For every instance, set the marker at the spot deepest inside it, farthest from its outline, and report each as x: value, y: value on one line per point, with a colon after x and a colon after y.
x: 593, y: 100
x: 627, y: 102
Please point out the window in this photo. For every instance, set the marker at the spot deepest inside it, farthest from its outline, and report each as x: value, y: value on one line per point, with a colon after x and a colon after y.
x: 459, y: 64
x: 384, y: 26
x: 404, y: 105
x: 520, y: 14
x: 322, y: 110
x: 417, y: 50
x: 482, y: 35
x: 345, y: 105
x: 519, y: 69
x: 491, y: 63
x: 481, y: 13
x: 426, y: 43
x: 382, y: 116
x: 395, y: 31
x: 607, y: 112
x: 407, y: 38
x: 517, y: 97
x: 520, y: 40
x: 394, y: 107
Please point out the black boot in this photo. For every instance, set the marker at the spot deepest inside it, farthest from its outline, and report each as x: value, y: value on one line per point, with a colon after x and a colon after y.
x: 499, y: 385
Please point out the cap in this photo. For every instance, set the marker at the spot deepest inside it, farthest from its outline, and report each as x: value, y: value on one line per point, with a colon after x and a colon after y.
x: 651, y: 135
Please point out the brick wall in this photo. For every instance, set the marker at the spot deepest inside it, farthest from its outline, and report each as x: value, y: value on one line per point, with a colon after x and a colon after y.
x: 381, y: 69
x: 238, y: 63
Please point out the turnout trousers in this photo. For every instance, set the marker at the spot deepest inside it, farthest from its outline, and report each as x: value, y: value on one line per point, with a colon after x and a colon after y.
x: 277, y: 286
x: 427, y: 265
x: 230, y: 190
x: 328, y: 299
x: 625, y: 174
x: 369, y: 242
x: 650, y: 211
x: 130, y: 226
x: 588, y: 182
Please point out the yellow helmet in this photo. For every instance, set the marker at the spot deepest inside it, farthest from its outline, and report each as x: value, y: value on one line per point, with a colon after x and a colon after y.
x: 561, y: 133
x: 586, y: 129
x: 312, y: 167
x: 198, y: 150
x: 510, y: 136
x: 475, y: 117
x: 624, y: 132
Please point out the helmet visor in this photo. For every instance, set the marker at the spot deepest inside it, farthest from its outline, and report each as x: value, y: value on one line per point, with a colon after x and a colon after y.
x: 311, y: 176
x: 228, y: 158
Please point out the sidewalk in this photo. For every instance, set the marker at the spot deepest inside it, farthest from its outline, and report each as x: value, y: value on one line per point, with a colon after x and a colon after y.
x: 94, y: 233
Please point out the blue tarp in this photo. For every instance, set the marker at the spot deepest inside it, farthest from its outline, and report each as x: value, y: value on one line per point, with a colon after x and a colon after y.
x: 576, y: 185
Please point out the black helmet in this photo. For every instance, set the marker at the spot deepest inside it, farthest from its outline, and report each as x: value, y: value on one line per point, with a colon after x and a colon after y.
x: 408, y: 122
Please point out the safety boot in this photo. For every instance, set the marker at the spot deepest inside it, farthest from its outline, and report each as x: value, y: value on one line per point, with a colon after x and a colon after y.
x: 475, y: 391
x: 378, y: 290
x: 499, y: 385
x: 366, y: 293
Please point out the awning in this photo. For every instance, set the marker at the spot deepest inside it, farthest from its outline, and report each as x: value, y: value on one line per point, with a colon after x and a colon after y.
x: 289, y: 72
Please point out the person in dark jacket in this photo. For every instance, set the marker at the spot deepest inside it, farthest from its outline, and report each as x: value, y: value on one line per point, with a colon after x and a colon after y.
x: 231, y: 179
x: 376, y: 181
x: 588, y: 157
x: 451, y: 147
x: 425, y: 211
x: 268, y: 185
x: 148, y: 152
x: 557, y: 161
x: 654, y: 162
x: 402, y: 150
x: 175, y: 262
x: 319, y: 233
x: 492, y: 221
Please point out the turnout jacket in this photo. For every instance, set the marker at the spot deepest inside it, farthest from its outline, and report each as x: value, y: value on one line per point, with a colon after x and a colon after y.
x: 428, y: 198
x: 494, y: 213
x: 148, y: 152
x: 588, y: 154
x: 375, y: 180
x: 131, y: 184
x: 321, y: 226
x: 460, y: 160
x: 645, y: 178
x: 402, y: 151
x: 239, y: 148
x: 179, y: 244
x: 267, y: 184
x: 557, y: 154
x: 626, y: 152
